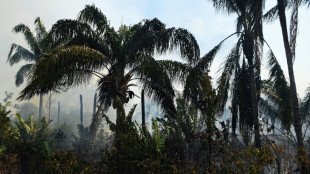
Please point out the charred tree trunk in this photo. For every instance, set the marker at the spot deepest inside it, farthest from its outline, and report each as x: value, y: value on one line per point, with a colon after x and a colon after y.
x: 40, y: 106
x: 49, y: 106
x: 95, y: 105
x: 81, y: 109
x: 58, y: 113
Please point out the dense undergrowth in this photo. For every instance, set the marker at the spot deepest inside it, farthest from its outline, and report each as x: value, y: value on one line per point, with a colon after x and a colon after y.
x: 29, y: 146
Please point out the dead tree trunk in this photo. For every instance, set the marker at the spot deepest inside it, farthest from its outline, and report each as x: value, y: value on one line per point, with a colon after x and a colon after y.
x: 81, y: 109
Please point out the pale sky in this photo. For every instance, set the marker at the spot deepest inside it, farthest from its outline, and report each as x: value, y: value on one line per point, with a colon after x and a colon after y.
x: 197, y: 16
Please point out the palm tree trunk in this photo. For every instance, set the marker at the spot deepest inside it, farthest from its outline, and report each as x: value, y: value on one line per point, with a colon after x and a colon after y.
x: 95, y: 122
x: 289, y: 59
x: 248, y: 48
x: 143, y: 111
x: 40, y: 106
x: 120, y: 118
x: 254, y: 104
x: 294, y: 98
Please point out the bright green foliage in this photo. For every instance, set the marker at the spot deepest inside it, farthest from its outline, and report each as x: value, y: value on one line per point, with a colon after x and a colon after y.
x: 32, y: 144
x: 157, y: 139
x: 31, y: 130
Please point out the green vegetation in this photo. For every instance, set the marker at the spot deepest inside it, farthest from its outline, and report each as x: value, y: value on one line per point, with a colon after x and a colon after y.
x: 191, y: 136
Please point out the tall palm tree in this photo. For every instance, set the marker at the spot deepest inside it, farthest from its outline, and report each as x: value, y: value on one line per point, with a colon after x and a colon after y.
x: 91, y: 45
x: 289, y: 45
x: 249, y: 22
x: 38, y: 46
x: 278, y: 102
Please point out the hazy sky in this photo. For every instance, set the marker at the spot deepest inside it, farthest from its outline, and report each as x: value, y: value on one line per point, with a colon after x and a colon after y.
x: 197, y: 16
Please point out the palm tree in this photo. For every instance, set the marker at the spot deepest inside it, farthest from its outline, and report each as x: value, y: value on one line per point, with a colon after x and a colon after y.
x: 38, y: 46
x: 249, y: 22
x: 278, y: 102
x: 289, y: 45
x: 290, y: 54
x: 91, y: 45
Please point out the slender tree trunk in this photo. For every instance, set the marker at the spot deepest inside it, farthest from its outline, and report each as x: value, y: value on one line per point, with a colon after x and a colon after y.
x: 40, y: 106
x: 58, y: 113
x: 49, y: 106
x: 143, y: 112
x: 289, y: 58
x: 95, y: 122
x: 248, y: 47
x: 81, y: 109
x: 294, y: 98
x: 95, y: 104
x: 254, y: 103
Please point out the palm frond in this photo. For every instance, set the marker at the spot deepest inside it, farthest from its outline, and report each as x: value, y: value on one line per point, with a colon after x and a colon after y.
x: 73, y: 32
x: 153, y: 36
x: 229, y: 66
x: 176, y: 71
x: 93, y: 16
x: 294, y: 28
x: 239, y: 24
x: 282, y: 90
x: 67, y: 30
x: 68, y: 66
x: 198, y: 90
x: 131, y: 112
x: 184, y: 40
x: 305, y: 104
x: 269, y: 109
x: 30, y: 38
x: 206, y: 61
x: 22, y: 73
x: 40, y: 29
x: 157, y: 84
x: 18, y: 53
x: 114, y: 46
x: 229, y: 6
x: 271, y: 15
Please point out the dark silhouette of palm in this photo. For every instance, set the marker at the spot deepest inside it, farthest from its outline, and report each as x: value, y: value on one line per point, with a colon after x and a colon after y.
x: 249, y: 26
x: 91, y: 45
